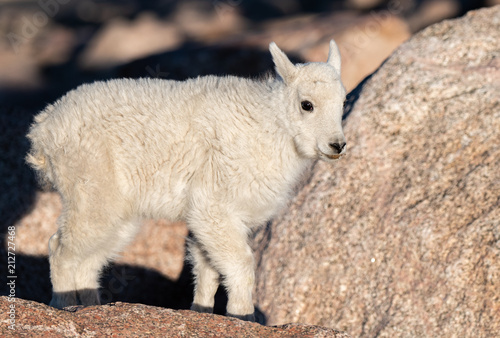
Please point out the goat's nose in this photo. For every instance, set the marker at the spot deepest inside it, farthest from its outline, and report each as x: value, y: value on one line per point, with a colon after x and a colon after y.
x: 337, y: 146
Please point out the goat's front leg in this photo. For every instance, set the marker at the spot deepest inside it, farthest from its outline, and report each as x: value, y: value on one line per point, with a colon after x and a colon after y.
x: 206, y: 280
x: 223, y: 240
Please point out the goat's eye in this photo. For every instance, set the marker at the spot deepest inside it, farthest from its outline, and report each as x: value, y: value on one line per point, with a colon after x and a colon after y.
x: 307, y: 106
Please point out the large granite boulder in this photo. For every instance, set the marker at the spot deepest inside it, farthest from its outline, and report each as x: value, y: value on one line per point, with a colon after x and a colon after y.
x: 401, y: 237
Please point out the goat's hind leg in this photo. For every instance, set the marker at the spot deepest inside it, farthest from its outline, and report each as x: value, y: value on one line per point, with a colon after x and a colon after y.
x: 70, y: 250
x: 82, y: 246
x: 104, y: 249
x: 62, y: 273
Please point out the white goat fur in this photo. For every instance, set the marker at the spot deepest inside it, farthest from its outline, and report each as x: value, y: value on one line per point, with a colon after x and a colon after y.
x: 221, y: 153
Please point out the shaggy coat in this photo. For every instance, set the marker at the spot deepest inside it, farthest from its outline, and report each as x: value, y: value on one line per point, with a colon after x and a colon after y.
x: 221, y: 153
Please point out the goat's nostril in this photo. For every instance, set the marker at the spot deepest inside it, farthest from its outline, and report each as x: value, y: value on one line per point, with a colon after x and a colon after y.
x: 338, y: 146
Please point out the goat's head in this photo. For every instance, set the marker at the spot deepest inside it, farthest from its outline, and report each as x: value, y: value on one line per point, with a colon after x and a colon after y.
x: 314, y: 99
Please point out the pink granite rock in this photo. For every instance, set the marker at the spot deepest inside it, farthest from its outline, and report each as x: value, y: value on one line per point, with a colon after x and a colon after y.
x: 134, y: 320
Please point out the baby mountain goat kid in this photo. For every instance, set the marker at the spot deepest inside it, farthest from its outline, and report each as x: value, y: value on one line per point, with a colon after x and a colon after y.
x: 221, y: 153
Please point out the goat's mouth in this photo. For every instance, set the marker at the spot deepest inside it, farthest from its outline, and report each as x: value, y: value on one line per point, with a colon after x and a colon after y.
x: 334, y: 157
x: 331, y: 156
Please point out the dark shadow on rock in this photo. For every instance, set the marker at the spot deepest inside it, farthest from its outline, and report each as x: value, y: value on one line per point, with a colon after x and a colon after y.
x: 119, y: 282
x: 194, y: 59
x: 17, y: 181
x: 353, y: 96
x: 134, y: 284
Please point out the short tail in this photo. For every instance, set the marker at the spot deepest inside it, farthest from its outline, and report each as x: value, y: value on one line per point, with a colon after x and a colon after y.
x: 38, y: 162
x: 36, y: 157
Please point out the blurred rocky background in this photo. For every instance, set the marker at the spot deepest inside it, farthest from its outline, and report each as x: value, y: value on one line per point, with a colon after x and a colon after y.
x: 400, y: 238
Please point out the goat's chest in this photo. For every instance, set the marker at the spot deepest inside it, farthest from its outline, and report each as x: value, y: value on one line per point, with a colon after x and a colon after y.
x: 260, y: 192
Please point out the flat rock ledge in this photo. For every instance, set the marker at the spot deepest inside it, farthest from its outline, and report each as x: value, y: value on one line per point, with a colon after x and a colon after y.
x: 125, y: 319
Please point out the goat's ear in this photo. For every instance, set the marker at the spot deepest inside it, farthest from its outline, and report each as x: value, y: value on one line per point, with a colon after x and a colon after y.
x: 334, y: 56
x: 284, y: 67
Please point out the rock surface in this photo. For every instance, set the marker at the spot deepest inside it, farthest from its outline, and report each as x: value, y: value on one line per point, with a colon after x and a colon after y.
x: 401, y: 237
x: 123, y: 319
